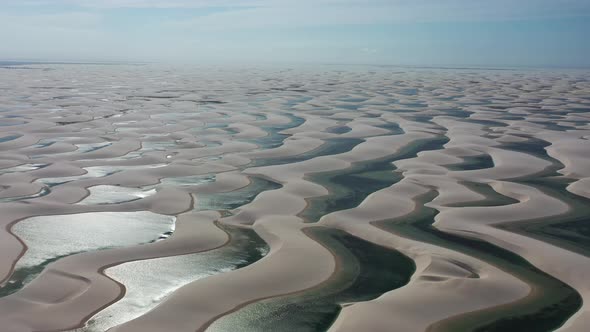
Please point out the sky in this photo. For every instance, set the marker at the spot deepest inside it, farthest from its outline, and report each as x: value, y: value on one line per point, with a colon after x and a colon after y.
x: 389, y: 32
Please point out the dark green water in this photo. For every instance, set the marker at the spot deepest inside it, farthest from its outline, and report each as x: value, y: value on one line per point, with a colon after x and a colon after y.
x: 552, y: 304
x: 487, y: 123
x: 408, y: 92
x: 274, y: 138
x: 331, y: 146
x: 571, y: 230
x: 553, y: 126
x: 9, y: 138
x: 394, y: 128
x: 244, y: 248
x: 143, y: 278
x: 492, y: 197
x: 294, y: 102
x: 353, y: 100
x: 544, y: 312
x: 338, y: 129
x: 23, y: 276
x: 511, y: 117
x: 97, y: 148
x: 367, y: 271
x: 349, y: 187
x: 43, y: 192
x: 219, y: 201
x: 458, y: 113
x: 350, y: 107
x: 414, y: 105
x: 421, y: 118
x: 533, y: 146
x: 234, y: 199
x: 12, y: 123
x: 472, y: 163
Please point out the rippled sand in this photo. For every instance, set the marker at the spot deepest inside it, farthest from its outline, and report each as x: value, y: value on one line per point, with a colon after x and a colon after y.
x: 147, y: 198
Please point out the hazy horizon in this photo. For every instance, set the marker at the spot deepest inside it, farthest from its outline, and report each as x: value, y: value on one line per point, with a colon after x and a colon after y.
x: 420, y: 33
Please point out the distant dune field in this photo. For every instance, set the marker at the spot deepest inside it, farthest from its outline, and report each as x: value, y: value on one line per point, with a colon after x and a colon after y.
x: 150, y: 198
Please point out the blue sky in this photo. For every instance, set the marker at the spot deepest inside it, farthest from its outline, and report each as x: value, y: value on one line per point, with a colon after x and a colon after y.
x: 406, y: 32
